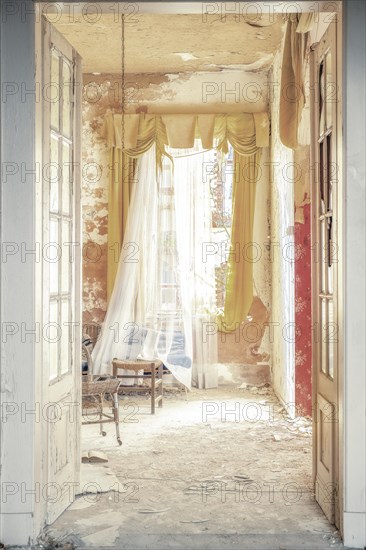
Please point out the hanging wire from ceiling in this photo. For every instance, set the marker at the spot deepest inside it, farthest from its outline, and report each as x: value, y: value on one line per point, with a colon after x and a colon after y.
x: 123, y: 83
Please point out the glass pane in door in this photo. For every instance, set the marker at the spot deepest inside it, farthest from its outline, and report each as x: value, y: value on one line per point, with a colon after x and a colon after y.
x: 66, y: 264
x: 321, y: 77
x: 332, y: 337
x: 330, y: 173
x: 66, y: 337
x: 324, y: 337
x: 53, y: 174
x: 53, y: 92
x: 66, y: 104
x: 66, y: 177
x: 53, y: 256
x: 52, y: 335
x: 323, y: 256
x: 330, y: 91
x: 321, y: 178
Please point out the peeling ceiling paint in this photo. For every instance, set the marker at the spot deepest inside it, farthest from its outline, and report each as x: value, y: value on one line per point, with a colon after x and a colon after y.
x: 172, y: 43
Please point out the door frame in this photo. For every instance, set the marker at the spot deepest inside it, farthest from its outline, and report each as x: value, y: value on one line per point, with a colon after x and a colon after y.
x: 19, y: 41
x: 341, y: 226
x: 352, y: 307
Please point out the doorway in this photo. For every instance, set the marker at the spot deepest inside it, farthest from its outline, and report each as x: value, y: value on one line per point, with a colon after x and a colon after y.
x: 285, y: 381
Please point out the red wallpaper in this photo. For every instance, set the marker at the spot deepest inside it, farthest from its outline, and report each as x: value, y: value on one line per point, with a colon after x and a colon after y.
x: 303, y: 342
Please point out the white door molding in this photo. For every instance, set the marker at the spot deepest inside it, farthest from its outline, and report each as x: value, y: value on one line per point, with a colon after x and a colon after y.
x: 354, y: 268
x: 20, y: 418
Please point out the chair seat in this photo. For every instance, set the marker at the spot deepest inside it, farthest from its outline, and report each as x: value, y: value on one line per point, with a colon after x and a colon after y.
x: 153, y: 370
x: 136, y: 365
x: 94, y: 390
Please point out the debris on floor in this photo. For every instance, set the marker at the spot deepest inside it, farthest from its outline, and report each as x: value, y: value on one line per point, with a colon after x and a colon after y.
x: 96, y: 479
x: 151, y: 511
x: 228, y: 460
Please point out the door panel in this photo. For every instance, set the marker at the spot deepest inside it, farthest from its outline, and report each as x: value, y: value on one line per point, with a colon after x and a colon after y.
x: 325, y: 176
x: 61, y: 269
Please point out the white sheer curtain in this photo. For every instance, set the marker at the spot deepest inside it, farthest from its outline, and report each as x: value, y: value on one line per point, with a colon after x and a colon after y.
x: 193, y: 200
x: 164, y: 294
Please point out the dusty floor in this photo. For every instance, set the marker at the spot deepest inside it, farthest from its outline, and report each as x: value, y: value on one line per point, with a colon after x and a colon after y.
x: 225, y: 469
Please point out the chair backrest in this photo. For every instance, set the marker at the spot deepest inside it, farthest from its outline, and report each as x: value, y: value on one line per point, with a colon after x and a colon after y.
x: 91, y: 333
x: 86, y: 353
x: 92, y: 330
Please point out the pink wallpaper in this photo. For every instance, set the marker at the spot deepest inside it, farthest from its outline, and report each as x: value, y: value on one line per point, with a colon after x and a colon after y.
x: 303, y: 343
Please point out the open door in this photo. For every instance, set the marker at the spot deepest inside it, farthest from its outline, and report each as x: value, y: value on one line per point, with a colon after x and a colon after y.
x: 325, y: 184
x: 61, y: 271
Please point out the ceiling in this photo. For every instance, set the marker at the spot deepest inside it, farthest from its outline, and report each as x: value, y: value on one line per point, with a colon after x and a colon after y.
x: 173, y: 43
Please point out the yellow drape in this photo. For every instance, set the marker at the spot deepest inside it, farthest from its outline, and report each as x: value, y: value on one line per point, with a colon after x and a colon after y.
x: 292, y: 98
x: 119, y: 193
x: 239, y: 131
x: 239, y: 281
x: 247, y: 133
x: 149, y: 129
x: 140, y: 134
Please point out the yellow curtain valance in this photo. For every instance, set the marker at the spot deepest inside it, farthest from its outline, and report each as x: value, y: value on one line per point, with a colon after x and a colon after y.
x: 246, y: 132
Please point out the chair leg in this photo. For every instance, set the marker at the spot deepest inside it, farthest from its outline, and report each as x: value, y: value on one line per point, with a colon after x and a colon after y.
x: 116, y: 416
x: 152, y: 388
x: 102, y: 432
x: 161, y: 391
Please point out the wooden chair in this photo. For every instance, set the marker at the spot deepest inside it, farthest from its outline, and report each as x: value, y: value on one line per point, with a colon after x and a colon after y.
x: 94, y: 390
x: 153, y: 370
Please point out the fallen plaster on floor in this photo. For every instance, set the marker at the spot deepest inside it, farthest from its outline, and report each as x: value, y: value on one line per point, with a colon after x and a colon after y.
x: 95, y: 478
x: 202, y: 468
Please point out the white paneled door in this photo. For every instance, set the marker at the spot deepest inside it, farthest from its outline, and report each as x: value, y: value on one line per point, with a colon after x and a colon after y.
x: 61, y: 83
x: 325, y: 260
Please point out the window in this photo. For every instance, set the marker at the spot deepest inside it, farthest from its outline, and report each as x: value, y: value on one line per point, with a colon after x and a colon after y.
x: 221, y: 188
x: 59, y: 183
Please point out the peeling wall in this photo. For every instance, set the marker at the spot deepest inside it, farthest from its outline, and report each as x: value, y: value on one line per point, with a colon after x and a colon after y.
x: 262, y: 273
x: 211, y: 92
x: 95, y: 158
x: 291, y: 263
x: 282, y: 249
x: 303, y: 344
